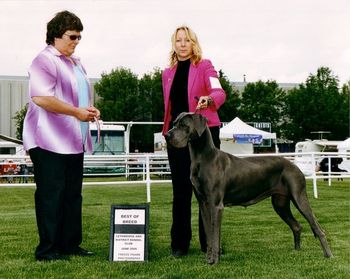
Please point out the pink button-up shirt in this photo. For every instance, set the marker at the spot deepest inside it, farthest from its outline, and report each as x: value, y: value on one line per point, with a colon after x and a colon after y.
x: 52, y: 74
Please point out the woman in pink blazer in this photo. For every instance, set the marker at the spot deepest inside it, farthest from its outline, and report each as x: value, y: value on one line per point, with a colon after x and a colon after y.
x: 189, y: 84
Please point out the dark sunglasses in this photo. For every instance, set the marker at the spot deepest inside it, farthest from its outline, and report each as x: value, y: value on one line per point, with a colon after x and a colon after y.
x: 73, y: 37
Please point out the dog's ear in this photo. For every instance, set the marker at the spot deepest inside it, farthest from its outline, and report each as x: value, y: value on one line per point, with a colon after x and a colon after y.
x: 182, y: 114
x: 200, y: 123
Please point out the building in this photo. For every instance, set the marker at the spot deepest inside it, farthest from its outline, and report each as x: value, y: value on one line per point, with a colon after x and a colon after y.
x: 14, y: 97
x: 239, y: 85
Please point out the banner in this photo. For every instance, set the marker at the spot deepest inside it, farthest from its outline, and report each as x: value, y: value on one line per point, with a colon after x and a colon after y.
x: 245, y: 138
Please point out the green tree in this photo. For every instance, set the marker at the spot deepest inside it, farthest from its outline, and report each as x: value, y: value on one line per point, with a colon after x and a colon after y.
x: 125, y: 97
x: 345, y: 93
x: 119, y: 96
x: 318, y: 105
x: 151, y: 109
x: 19, y: 119
x: 151, y: 93
x: 262, y: 102
x: 229, y: 109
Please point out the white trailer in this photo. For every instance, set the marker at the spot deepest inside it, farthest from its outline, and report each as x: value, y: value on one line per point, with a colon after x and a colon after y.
x: 111, y: 140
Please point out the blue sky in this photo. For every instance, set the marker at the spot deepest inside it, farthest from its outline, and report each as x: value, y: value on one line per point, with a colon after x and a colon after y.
x: 282, y: 40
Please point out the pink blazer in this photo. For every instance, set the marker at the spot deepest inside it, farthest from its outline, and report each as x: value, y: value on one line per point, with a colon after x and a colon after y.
x: 202, y: 81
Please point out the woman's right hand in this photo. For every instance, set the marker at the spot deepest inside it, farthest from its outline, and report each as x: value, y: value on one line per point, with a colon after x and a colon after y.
x: 86, y: 114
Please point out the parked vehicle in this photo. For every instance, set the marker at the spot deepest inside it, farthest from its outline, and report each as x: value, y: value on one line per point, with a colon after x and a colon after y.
x: 111, y: 140
x: 11, y: 148
x: 107, y: 139
x: 159, y: 143
x: 344, y: 147
x: 306, y: 163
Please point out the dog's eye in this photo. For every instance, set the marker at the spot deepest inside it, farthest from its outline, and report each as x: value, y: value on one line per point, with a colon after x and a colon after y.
x: 184, y: 127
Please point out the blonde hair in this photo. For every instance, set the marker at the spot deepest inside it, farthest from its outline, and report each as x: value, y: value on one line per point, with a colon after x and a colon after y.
x: 196, y: 48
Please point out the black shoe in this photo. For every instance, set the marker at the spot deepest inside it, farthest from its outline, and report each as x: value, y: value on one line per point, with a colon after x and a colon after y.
x: 80, y: 252
x: 52, y: 257
x: 178, y: 253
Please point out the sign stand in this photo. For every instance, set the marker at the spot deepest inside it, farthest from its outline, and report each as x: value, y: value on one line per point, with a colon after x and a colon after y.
x: 129, y: 233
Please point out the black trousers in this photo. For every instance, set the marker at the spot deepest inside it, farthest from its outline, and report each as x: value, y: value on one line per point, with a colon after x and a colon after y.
x: 180, y: 162
x: 58, y: 200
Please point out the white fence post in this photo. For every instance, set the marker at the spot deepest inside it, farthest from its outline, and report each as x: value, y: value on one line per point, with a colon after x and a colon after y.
x: 148, y: 179
x: 314, y: 178
x: 329, y: 171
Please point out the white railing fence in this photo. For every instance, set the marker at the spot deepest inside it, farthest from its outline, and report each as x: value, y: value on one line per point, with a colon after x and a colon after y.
x: 152, y: 168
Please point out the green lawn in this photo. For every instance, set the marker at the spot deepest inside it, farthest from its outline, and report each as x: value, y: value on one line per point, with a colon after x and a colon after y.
x: 256, y: 242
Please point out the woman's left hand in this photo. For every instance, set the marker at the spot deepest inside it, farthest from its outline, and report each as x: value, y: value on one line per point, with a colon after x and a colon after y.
x: 204, y: 102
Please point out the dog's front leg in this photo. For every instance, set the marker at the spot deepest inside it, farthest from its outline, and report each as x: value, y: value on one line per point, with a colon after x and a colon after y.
x: 207, y: 223
x: 212, y: 216
x: 216, y: 217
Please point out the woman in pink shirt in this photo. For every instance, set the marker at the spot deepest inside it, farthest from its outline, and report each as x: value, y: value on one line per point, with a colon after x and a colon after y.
x: 190, y: 84
x: 56, y: 134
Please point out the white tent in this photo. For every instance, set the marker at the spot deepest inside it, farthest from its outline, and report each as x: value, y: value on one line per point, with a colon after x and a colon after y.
x: 238, y: 127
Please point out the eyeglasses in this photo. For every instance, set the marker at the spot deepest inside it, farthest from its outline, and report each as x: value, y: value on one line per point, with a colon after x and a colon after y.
x: 73, y: 37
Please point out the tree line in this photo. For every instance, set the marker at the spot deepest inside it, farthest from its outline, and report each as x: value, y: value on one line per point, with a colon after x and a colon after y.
x: 318, y: 104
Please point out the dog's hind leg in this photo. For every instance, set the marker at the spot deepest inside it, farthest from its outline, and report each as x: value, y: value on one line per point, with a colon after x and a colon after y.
x: 281, y: 204
x: 301, y: 202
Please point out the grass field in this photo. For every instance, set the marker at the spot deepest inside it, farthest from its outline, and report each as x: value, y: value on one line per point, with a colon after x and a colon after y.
x: 256, y: 242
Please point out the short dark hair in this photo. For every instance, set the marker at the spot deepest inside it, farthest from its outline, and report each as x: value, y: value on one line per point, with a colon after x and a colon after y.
x: 62, y: 22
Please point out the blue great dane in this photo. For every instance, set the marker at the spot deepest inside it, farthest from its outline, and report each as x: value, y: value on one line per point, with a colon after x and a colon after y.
x: 222, y: 179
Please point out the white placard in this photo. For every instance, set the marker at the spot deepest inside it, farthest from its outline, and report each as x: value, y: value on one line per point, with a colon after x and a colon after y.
x: 129, y: 233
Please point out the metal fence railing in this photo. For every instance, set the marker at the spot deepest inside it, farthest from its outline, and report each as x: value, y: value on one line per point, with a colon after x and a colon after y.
x: 152, y: 168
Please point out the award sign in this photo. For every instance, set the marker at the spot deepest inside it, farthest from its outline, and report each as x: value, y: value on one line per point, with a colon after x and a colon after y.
x: 129, y: 233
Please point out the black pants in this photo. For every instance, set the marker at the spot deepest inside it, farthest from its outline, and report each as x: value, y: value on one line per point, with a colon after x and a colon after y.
x: 180, y: 162
x: 58, y: 200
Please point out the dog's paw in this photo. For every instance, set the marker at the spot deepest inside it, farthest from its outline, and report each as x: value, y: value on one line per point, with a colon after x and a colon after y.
x: 213, y: 260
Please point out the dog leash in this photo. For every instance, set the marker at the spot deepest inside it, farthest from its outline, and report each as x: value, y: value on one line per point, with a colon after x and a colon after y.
x: 197, y: 99
x: 98, y: 130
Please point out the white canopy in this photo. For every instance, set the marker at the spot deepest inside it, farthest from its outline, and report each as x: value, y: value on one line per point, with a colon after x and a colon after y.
x: 238, y: 127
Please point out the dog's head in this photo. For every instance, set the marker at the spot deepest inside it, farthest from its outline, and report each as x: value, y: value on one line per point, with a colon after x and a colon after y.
x: 187, y: 126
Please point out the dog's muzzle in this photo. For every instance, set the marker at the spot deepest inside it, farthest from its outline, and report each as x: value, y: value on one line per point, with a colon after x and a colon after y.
x: 174, y: 139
